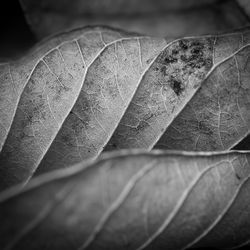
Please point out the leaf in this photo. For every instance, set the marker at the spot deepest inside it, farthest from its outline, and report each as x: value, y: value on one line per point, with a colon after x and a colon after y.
x: 99, y: 89
x: 156, y: 18
x: 133, y: 200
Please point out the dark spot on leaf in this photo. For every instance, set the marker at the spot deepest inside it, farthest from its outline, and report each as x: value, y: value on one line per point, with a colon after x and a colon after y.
x: 175, y: 51
x: 170, y: 59
x: 183, y: 45
x: 196, y: 43
x: 237, y: 176
x: 196, y: 51
x: 176, y: 86
x: 183, y: 58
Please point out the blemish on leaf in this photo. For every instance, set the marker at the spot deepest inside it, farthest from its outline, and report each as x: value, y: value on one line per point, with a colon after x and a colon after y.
x: 175, y: 51
x: 184, y: 63
x: 170, y: 59
x: 176, y: 86
x: 183, y: 45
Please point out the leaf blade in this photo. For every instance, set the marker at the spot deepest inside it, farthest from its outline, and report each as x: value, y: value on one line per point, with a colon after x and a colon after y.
x: 168, y: 192
x: 133, y: 92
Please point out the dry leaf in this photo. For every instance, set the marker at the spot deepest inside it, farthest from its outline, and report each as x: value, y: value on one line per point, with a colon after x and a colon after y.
x: 133, y: 201
x: 97, y: 88
x: 156, y: 18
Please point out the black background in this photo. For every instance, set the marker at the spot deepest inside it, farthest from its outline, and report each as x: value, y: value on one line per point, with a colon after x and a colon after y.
x: 16, y: 36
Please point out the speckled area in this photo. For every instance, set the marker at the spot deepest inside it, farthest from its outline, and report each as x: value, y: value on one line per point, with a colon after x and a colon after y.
x: 217, y: 117
x: 168, y: 84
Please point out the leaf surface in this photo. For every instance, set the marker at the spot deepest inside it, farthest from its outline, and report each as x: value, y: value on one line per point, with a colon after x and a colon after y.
x: 133, y: 200
x: 155, y: 18
x: 98, y: 89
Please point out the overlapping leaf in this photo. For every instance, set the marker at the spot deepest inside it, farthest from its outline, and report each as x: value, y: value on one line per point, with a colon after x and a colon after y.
x: 98, y: 89
x: 172, y: 18
x: 133, y: 201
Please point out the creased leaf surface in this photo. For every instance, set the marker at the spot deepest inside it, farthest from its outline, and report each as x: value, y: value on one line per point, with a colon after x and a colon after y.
x: 133, y: 200
x: 98, y: 89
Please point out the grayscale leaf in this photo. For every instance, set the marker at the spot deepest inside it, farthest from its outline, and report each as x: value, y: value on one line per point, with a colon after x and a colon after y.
x: 96, y: 89
x: 133, y: 200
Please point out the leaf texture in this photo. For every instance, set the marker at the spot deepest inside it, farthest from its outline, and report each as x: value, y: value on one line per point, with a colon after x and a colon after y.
x: 134, y: 200
x: 155, y: 18
x: 98, y: 89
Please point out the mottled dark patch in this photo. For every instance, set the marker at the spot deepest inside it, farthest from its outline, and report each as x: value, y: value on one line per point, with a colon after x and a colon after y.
x: 183, y: 45
x: 170, y: 59
x: 181, y: 60
x: 177, y: 86
x: 195, y: 58
x: 184, y: 58
x: 175, y: 51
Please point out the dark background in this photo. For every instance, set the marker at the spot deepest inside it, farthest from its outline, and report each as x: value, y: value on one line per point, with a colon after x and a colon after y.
x: 16, y: 37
